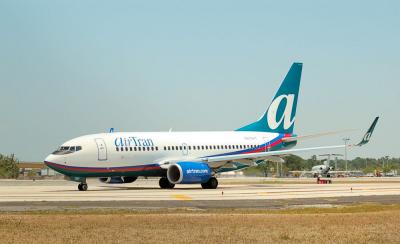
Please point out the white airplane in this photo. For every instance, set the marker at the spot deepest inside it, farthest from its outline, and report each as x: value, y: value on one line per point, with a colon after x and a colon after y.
x: 185, y: 157
x: 324, y: 170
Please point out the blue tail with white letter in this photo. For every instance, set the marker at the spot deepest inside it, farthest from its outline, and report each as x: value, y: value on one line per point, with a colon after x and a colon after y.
x: 281, y: 113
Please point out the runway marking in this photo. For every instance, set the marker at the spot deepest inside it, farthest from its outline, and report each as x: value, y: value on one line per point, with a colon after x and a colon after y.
x: 182, y: 197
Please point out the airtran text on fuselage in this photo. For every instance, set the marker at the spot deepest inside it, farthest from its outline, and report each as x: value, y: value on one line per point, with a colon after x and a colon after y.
x: 133, y: 141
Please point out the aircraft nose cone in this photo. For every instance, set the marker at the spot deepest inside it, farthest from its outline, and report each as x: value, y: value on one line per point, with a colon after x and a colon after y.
x: 51, y: 159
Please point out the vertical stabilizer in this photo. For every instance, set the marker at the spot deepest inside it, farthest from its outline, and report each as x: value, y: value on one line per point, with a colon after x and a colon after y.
x: 281, y: 113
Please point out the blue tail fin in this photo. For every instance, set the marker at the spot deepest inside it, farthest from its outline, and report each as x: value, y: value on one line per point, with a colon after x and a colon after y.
x: 281, y: 113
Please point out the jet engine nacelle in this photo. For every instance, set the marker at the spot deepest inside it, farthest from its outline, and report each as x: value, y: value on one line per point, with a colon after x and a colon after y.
x: 118, y: 179
x: 189, y: 173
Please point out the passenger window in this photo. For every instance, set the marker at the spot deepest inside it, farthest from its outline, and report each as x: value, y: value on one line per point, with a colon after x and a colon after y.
x: 140, y: 149
x: 190, y: 147
x: 156, y: 148
x: 148, y: 148
x: 122, y: 149
x: 165, y: 148
x: 180, y: 147
x: 135, y: 149
x: 117, y: 148
x: 168, y: 148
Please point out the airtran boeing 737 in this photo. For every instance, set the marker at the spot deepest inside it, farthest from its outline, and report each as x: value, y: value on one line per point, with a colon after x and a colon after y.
x: 186, y: 157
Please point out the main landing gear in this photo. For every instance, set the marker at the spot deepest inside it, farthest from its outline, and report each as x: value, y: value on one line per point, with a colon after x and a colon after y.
x: 82, y: 186
x: 165, y: 184
x: 212, y: 183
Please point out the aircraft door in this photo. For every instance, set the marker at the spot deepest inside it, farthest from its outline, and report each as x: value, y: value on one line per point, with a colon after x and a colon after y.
x: 185, y: 149
x: 101, y: 149
x: 267, y: 142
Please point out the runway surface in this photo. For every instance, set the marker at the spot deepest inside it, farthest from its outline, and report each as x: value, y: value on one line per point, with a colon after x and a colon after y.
x: 232, y: 193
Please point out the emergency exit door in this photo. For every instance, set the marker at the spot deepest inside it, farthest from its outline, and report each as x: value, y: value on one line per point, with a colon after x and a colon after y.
x: 101, y: 149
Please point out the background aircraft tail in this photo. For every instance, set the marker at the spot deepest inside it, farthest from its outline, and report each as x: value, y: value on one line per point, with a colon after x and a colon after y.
x: 281, y: 113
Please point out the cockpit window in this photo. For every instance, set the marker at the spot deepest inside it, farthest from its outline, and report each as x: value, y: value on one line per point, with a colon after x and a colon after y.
x: 67, y: 150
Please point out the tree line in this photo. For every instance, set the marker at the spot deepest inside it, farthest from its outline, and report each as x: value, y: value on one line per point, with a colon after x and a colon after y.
x: 8, y: 167
x: 296, y: 163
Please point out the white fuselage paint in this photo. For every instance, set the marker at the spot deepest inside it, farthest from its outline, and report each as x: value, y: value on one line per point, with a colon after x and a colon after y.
x: 92, y: 156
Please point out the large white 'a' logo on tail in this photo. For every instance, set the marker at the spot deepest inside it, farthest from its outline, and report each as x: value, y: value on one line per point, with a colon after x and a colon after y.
x: 272, y: 119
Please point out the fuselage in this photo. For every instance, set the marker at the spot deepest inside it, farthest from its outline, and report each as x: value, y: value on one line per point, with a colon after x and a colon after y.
x: 140, y: 153
x: 320, y: 170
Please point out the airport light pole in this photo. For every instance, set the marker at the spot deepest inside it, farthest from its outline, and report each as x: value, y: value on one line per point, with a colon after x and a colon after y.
x: 346, y: 140
x: 387, y: 161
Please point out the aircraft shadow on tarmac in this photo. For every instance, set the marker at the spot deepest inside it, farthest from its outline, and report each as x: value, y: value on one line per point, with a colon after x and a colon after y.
x: 116, y: 188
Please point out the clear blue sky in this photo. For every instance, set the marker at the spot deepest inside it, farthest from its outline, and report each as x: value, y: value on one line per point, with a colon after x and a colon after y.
x: 69, y: 68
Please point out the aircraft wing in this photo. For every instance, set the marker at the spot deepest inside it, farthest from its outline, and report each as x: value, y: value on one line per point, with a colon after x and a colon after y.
x: 312, y: 136
x: 218, y: 161
x: 256, y: 158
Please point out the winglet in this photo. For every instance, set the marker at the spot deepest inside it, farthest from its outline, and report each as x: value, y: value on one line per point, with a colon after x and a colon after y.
x: 368, y: 135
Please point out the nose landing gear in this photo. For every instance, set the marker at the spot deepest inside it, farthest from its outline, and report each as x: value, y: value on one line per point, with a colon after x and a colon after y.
x: 82, y: 187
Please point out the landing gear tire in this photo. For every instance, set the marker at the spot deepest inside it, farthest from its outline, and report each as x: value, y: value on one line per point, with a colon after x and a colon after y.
x: 212, y: 183
x: 82, y: 187
x: 165, y: 184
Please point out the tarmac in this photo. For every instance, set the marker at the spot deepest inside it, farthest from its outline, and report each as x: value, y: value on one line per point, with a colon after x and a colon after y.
x: 259, y: 193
